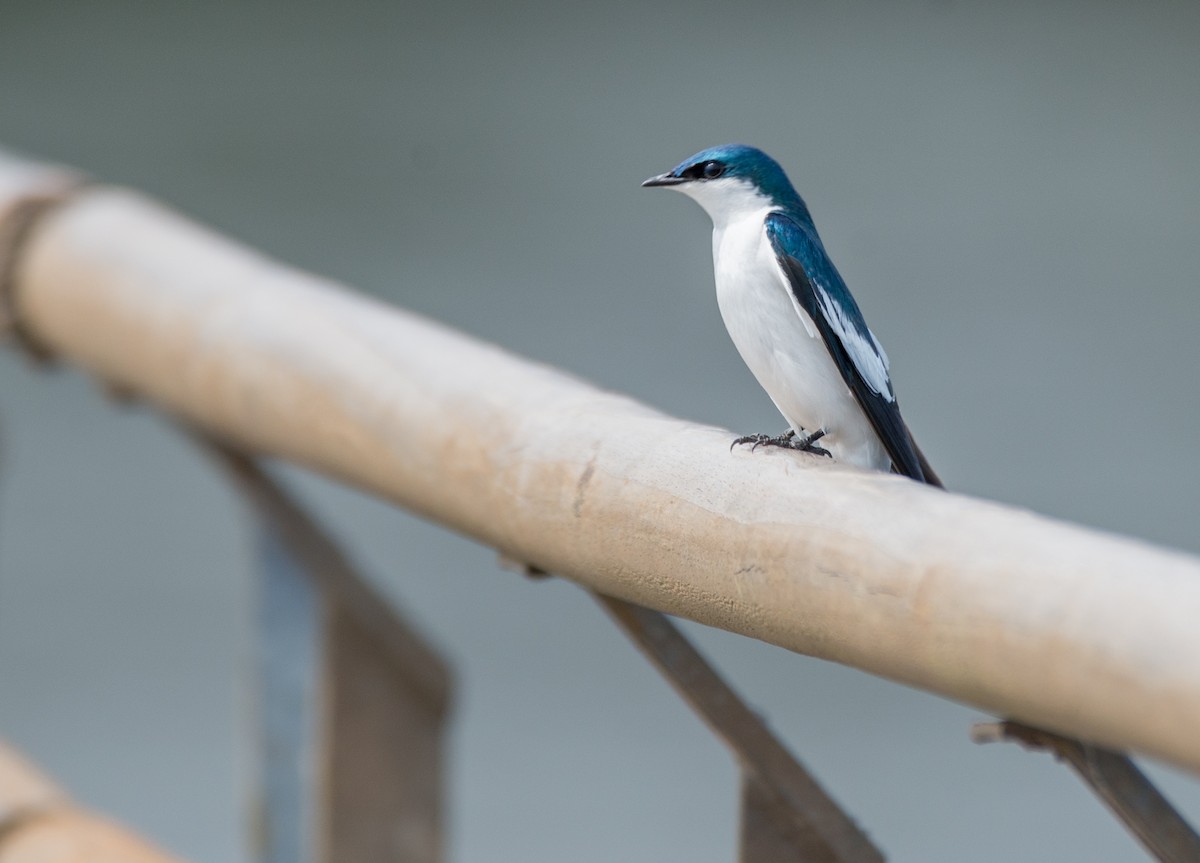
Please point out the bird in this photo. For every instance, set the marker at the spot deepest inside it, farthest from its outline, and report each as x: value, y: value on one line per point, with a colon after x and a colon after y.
x: 792, y: 318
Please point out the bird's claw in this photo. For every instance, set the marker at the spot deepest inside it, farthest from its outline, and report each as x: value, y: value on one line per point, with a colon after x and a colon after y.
x: 758, y: 440
x: 787, y: 440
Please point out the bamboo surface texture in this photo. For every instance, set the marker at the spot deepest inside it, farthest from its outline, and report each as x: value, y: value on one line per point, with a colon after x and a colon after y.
x: 1073, y: 630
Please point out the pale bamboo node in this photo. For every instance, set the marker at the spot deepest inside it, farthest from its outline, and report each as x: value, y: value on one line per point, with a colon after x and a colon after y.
x: 1061, y: 627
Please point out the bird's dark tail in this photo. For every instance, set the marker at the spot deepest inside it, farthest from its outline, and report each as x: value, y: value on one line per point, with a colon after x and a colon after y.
x: 926, y: 468
x: 930, y: 477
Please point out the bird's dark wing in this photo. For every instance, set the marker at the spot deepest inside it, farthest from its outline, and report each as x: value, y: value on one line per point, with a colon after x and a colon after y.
x: 818, y: 289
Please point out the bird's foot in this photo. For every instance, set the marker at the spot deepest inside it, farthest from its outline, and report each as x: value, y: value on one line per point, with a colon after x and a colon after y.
x: 808, y: 443
x: 787, y: 440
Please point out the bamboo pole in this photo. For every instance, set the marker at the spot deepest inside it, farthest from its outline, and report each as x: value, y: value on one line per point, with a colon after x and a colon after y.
x: 1069, y: 629
x: 39, y: 824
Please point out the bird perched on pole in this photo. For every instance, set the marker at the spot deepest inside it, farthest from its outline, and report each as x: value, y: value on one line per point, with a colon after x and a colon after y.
x: 791, y: 316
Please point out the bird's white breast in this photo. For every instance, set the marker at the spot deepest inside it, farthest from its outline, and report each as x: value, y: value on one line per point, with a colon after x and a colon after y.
x: 781, y: 345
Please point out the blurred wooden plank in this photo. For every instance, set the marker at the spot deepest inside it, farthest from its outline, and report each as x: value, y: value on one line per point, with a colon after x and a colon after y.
x: 767, y: 835
x: 354, y: 701
x: 23, y: 789
x: 786, y: 815
x: 74, y: 836
x: 27, y: 191
x: 291, y: 636
x: 39, y: 824
x: 384, y: 754
x: 1119, y: 784
x: 322, y: 558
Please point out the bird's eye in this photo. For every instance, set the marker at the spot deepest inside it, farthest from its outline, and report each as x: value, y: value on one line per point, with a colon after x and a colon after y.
x: 712, y: 170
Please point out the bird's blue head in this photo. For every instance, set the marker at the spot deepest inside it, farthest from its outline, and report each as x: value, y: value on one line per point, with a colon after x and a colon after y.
x: 732, y: 177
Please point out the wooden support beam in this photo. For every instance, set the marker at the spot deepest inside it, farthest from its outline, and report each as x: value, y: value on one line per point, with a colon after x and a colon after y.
x: 1116, y: 780
x: 353, y: 701
x: 786, y: 815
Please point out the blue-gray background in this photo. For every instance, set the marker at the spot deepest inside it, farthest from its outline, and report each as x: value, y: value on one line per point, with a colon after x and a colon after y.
x: 1010, y: 189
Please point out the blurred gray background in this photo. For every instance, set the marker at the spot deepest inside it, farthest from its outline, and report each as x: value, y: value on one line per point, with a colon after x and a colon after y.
x: 1011, y: 190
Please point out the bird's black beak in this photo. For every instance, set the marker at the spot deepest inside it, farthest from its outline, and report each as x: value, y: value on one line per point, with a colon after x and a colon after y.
x: 667, y: 179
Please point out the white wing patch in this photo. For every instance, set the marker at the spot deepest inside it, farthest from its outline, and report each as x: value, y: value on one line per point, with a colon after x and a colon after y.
x: 865, y: 352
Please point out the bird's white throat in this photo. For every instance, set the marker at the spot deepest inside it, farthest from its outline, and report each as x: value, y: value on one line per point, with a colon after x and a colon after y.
x: 727, y: 199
